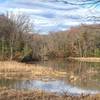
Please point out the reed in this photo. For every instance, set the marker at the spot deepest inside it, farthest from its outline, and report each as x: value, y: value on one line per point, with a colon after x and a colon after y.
x: 13, y: 69
x: 41, y: 95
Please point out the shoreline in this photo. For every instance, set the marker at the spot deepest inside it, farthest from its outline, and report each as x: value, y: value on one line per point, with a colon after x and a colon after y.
x: 85, y: 59
x: 42, y: 95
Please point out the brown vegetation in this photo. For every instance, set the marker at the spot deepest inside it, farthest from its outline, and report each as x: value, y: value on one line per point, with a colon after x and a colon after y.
x: 17, y: 43
x: 85, y: 59
x: 40, y: 95
x: 12, y: 69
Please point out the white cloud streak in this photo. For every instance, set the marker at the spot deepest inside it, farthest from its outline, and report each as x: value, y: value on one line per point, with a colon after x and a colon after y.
x: 50, y: 16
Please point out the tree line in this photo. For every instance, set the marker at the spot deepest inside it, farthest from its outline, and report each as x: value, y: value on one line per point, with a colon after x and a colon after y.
x: 80, y: 41
x: 19, y: 42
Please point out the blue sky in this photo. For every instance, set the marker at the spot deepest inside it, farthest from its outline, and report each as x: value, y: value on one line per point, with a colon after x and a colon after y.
x: 51, y: 16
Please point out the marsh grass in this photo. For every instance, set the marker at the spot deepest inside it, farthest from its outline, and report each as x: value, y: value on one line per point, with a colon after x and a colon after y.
x: 40, y: 95
x: 16, y: 70
x: 13, y: 69
x: 85, y: 59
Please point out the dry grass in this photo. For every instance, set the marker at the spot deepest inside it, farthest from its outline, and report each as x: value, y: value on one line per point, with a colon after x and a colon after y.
x: 15, y: 70
x: 40, y: 95
x: 12, y: 69
x: 86, y: 59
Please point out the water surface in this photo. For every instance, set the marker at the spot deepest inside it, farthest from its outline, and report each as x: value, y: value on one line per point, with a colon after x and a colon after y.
x: 82, y: 77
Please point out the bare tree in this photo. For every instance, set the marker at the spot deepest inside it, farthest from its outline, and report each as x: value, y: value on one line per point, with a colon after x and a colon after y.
x: 13, y: 30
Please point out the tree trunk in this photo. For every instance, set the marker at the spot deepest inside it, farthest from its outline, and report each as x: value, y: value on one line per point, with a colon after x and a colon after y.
x: 11, y: 50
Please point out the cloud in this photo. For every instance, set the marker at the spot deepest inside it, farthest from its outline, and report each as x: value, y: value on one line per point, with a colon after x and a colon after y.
x: 50, y: 16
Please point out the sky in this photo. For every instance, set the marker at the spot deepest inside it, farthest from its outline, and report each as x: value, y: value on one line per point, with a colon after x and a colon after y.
x: 48, y: 16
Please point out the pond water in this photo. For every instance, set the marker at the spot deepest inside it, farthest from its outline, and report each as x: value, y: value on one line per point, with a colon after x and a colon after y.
x: 57, y: 86
x: 82, y: 77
